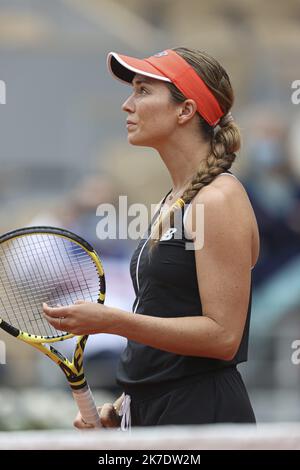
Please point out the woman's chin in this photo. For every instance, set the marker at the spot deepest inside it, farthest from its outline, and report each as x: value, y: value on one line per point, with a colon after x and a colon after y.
x: 134, y: 140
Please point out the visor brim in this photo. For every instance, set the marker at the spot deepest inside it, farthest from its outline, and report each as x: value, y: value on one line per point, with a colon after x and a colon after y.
x: 124, y: 68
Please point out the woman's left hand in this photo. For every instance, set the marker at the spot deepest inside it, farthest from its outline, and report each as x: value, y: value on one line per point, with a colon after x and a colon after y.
x: 81, y: 318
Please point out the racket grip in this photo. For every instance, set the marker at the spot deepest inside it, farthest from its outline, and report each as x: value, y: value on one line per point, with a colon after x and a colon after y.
x: 86, y: 406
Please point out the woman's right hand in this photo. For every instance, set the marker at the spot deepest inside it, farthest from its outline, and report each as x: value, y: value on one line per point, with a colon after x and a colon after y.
x: 109, y: 418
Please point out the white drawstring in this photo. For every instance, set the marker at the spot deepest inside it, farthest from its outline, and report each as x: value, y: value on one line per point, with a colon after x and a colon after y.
x: 125, y: 413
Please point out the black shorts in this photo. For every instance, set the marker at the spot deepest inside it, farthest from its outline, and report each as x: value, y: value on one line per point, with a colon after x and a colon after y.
x: 214, y: 397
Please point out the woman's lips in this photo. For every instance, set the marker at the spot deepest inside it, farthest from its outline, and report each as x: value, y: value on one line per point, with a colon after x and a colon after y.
x: 129, y: 125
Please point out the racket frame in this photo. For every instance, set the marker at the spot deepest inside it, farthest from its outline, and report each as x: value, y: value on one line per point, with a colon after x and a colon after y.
x: 73, y: 370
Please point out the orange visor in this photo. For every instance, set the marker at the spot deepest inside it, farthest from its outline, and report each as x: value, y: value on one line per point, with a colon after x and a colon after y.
x: 169, y: 67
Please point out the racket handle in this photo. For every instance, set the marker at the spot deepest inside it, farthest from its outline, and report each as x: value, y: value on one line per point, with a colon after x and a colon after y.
x: 86, y: 406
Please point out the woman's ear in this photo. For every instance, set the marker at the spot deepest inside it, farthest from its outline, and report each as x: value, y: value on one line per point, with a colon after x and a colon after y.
x: 187, y: 110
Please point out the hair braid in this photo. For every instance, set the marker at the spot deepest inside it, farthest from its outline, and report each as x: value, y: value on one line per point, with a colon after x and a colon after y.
x: 224, y: 145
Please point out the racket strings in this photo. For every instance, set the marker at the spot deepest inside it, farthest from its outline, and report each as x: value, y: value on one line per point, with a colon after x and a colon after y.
x: 25, y: 288
x: 39, y: 268
x: 56, y: 294
x: 24, y: 300
x: 13, y: 301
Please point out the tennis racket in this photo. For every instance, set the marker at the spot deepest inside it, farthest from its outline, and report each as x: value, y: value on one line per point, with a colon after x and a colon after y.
x: 47, y: 264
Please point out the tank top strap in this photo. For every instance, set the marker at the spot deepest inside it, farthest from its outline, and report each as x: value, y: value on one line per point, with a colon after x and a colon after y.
x: 157, y: 212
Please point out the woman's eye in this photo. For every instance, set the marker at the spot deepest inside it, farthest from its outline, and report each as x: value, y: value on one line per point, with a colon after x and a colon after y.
x: 142, y: 90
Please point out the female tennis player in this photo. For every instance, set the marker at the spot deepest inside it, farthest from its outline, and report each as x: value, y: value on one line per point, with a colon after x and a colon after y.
x: 190, y: 326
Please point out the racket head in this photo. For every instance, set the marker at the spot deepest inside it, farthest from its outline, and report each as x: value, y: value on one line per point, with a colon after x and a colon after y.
x: 45, y: 264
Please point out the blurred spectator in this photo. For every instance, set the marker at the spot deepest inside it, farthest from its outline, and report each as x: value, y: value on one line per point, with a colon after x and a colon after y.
x: 77, y: 213
x: 275, y: 194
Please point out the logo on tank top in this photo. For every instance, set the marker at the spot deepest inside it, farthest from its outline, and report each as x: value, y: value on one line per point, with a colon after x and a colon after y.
x: 168, y: 235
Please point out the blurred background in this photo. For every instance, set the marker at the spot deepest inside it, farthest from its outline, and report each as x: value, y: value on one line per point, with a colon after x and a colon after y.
x: 64, y: 151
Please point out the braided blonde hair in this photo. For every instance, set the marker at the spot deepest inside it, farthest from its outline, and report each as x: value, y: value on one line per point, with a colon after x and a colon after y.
x: 225, y: 140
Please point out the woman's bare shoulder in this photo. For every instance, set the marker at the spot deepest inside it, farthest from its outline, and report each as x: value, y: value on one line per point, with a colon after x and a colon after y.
x: 226, y: 190
x: 225, y: 199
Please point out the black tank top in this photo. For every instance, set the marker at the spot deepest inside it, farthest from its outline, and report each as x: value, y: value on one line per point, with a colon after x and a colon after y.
x: 166, y: 285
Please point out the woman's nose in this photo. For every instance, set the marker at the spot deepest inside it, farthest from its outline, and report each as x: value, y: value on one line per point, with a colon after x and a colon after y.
x: 128, y: 105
